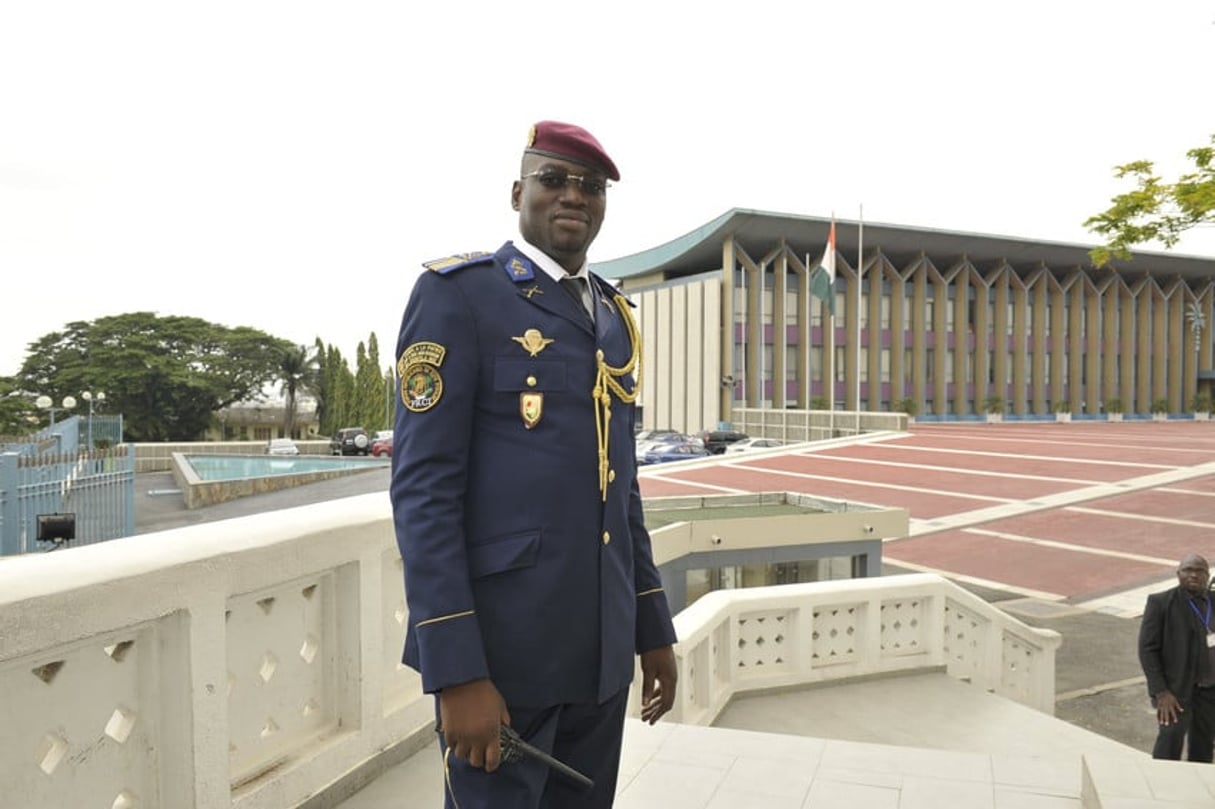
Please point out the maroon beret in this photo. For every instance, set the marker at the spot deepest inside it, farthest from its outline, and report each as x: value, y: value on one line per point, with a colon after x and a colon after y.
x: 569, y: 142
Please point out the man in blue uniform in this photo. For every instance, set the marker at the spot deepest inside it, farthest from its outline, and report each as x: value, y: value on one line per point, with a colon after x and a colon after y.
x: 529, y: 576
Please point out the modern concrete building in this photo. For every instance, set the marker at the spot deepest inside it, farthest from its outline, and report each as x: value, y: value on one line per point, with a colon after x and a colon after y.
x: 949, y: 323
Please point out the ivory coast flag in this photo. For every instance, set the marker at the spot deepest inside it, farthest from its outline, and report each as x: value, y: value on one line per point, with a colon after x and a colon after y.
x: 822, y: 279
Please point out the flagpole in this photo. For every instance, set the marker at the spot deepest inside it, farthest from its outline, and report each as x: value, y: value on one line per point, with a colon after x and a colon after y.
x: 860, y: 275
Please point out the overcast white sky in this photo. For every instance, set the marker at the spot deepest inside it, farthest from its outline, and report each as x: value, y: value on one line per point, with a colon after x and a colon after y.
x: 289, y: 165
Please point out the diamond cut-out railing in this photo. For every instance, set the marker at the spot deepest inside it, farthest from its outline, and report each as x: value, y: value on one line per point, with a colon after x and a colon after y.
x: 120, y: 725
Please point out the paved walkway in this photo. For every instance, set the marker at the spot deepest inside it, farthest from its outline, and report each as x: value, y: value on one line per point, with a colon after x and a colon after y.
x: 923, y: 741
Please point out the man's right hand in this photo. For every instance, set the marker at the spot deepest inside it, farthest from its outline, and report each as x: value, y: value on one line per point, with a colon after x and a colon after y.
x: 1168, y: 709
x: 470, y: 714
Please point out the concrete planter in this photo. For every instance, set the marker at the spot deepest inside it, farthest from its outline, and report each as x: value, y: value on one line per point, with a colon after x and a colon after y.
x: 1063, y: 417
x: 1160, y: 417
x: 995, y: 418
x: 1203, y: 416
x: 1114, y: 416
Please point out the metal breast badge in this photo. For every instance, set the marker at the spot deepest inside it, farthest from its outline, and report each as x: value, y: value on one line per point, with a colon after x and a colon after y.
x: 533, y: 341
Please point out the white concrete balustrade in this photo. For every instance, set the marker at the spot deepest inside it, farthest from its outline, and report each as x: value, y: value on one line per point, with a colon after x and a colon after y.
x: 762, y: 638
x: 253, y: 663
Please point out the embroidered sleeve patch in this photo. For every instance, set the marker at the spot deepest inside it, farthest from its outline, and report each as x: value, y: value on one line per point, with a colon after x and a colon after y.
x: 421, y: 382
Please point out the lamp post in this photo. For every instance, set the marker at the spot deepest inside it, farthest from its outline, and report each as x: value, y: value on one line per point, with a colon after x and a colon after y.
x: 89, y: 397
x: 47, y: 403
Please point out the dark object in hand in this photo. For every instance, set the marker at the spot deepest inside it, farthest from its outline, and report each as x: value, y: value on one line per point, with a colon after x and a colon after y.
x: 515, y: 750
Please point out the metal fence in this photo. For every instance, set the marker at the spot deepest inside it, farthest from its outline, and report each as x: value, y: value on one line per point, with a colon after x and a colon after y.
x: 55, y: 473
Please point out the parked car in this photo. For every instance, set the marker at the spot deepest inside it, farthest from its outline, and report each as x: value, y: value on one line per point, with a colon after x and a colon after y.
x: 350, y: 441
x: 665, y: 438
x: 748, y: 444
x: 664, y: 453
x: 716, y: 441
x: 644, y: 438
x: 282, y: 446
x: 381, y: 443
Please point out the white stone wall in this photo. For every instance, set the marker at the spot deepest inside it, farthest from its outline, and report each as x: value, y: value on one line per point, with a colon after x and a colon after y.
x: 243, y: 663
x: 251, y: 663
x: 734, y: 641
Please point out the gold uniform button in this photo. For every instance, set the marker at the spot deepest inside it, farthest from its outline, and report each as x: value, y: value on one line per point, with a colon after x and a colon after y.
x: 606, y: 537
x: 531, y: 381
x: 611, y: 475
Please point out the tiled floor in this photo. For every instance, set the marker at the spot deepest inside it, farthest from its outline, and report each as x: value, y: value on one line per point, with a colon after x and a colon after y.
x: 971, y: 750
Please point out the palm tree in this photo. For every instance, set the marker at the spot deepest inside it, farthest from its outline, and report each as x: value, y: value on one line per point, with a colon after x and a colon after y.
x: 299, y: 372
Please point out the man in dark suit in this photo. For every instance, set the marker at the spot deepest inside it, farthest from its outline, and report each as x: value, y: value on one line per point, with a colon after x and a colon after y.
x: 1177, y: 652
x: 529, y: 575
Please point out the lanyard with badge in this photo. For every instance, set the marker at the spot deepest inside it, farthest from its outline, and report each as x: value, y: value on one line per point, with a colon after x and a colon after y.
x: 1206, y: 622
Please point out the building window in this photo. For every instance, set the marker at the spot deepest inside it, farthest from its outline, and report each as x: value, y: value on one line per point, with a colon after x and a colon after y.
x: 930, y: 314
x: 840, y: 363
x: 907, y: 358
x: 884, y: 360
x: 767, y: 301
x: 950, y: 314
x: 885, y: 309
x: 930, y: 364
x: 949, y: 366
x: 864, y: 360
x: 1010, y: 314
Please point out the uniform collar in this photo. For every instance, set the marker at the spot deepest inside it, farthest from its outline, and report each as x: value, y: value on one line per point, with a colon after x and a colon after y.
x: 545, y: 262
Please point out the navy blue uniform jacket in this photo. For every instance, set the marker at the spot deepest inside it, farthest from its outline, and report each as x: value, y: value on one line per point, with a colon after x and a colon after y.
x: 516, y: 567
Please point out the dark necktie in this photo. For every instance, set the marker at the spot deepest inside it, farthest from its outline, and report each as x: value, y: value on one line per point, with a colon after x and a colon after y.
x: 577, y: 288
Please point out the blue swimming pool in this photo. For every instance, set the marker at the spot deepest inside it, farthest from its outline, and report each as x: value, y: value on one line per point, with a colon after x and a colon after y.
x: 244, y: 467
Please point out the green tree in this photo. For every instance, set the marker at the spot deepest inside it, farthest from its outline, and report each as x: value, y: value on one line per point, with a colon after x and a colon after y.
x: 335, y: 398
x: 166, y: 375
x: 369, y: 379
x: 1155, y: 210
x: 391, y: 395
x: 299, y: 372
x: 18, y: 415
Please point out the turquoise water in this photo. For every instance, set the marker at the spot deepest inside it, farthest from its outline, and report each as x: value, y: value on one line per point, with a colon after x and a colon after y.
x: 242, y: 467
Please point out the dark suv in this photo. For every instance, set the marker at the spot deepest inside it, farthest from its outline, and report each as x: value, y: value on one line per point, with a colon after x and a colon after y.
x: 350, y: 441
x: 716, y: 441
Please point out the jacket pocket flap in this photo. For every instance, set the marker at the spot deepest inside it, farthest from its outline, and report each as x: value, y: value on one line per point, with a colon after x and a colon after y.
x: 501, y: 554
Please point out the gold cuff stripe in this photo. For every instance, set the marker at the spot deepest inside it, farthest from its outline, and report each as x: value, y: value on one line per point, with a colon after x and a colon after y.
x: 421, y: 624
x: 649, y: 592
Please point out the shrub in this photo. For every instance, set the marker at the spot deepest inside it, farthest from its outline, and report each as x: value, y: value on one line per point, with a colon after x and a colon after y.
x: 1201, y: 403
x: 1160, y: 406
x: 907, y: 405
x: 1113, y: 405
x: 994, y: 404
x: 818, y: 403
x: 1063, y: 406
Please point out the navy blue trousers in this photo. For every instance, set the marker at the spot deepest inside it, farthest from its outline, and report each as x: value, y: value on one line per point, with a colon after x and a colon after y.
x: 586, y: 737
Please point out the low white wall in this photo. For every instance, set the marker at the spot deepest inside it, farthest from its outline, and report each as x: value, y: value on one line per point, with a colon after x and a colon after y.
x: 246, y: 663
x: 252, y: 663
x: 733, y: 641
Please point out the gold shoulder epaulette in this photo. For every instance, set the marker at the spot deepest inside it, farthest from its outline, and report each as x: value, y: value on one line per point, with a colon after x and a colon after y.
x: 459, y: 261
